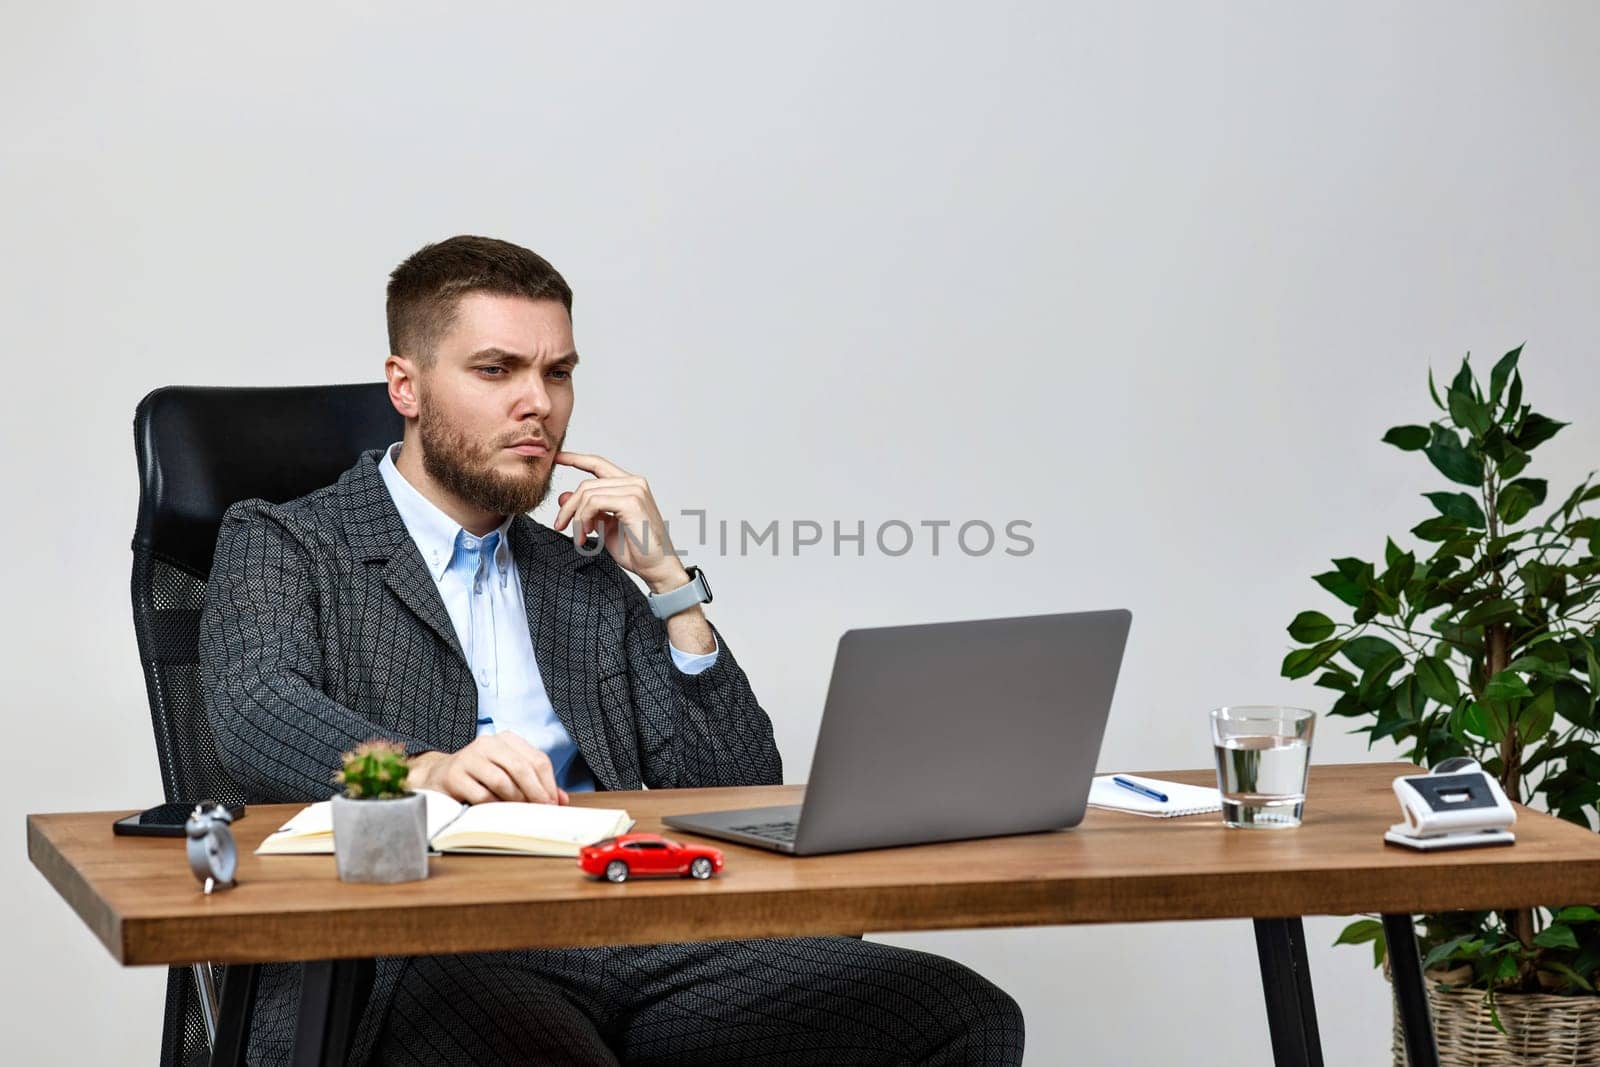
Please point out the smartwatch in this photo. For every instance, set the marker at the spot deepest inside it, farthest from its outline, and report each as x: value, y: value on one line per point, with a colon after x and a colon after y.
x: 665, y: 605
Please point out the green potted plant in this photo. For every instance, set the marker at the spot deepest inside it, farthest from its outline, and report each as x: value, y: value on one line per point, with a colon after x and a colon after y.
x: 1481, y: 642
x: 380, y: 828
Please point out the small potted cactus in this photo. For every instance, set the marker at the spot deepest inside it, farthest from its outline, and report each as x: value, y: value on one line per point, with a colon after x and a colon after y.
x: 380, y: 828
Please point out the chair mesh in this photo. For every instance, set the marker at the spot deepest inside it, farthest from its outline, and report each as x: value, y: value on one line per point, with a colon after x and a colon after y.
x: 166, y: 623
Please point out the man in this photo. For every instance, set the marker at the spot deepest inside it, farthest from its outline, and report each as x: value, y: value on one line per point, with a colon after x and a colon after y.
x: 415, y: 600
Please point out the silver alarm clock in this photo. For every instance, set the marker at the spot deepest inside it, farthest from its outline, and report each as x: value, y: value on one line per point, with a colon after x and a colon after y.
x: 213, y: 857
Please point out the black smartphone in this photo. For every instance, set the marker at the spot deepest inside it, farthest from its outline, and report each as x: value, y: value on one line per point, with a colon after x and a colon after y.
x: 163, y: 820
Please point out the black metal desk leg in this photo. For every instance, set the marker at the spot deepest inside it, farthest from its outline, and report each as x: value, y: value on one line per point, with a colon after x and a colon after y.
x: 233, y: 1021
x: 1409, y: 991
x: 1286, y: 980
x: 333, y: 994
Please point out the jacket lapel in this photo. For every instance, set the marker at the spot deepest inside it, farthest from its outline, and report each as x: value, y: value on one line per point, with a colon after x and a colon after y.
x: 377, y: 532
x: 563, y: 607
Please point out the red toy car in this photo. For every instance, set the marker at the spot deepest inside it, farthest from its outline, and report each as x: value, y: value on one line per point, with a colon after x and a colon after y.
x: 616, y: 859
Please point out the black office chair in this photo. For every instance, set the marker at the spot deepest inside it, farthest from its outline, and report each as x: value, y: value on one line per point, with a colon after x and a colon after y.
x: 200, y: 450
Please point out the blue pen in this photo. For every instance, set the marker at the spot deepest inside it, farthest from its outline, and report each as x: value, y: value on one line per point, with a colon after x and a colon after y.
x: 1142, y: 790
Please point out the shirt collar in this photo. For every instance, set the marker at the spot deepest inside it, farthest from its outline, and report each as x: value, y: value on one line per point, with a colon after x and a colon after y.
x: 435, y: 533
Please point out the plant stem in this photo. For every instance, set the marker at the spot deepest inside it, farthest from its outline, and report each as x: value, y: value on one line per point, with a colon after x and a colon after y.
x: 1497, y: 654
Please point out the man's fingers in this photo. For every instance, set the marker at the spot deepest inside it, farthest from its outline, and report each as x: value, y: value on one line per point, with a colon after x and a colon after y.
x: 572, y: 500
x: 597, y: 505
x: 593, y: 464
x: 523, y: 772
x: 459, y: 783
x: 539, y: 764
x: 493, y: 777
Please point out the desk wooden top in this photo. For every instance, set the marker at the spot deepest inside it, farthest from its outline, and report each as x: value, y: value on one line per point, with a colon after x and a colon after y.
x: 137, y: 895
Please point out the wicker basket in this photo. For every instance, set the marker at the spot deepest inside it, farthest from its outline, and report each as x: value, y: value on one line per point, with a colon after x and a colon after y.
x: 1542, y: 1030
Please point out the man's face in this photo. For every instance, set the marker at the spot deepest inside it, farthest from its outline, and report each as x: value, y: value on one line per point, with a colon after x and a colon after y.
x: 502, y: 377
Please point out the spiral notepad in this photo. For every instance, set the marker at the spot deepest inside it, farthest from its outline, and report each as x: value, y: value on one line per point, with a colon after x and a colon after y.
x: 1181, y: 799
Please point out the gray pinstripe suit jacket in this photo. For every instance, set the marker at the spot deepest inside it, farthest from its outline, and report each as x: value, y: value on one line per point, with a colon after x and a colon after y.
x: 322, y: 628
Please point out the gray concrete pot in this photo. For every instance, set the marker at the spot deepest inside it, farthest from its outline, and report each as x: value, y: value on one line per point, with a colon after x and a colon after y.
x: 381, y: 840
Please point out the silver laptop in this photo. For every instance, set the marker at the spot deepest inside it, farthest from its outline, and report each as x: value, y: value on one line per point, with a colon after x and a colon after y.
x: 948, y: 730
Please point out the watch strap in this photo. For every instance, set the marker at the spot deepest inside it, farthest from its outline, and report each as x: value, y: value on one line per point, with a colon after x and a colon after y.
x: 665, y: 605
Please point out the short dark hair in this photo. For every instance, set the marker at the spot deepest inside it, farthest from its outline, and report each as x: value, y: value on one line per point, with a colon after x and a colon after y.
x: 425, y: 289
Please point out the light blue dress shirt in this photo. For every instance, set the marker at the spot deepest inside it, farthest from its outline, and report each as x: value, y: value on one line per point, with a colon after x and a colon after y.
x: 477, y: 580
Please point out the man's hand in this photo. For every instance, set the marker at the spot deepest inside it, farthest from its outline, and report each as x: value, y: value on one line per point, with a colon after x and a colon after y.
x: 619, y: 504
x: 493, y: 767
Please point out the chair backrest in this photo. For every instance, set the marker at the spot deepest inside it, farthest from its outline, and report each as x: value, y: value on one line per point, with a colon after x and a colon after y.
x: 201, y: 450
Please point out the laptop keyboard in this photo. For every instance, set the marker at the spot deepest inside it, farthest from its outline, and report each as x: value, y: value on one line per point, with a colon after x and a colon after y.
x: 772, y: 831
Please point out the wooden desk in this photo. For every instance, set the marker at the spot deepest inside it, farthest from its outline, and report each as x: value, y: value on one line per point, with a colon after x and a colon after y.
x: 139, y: 898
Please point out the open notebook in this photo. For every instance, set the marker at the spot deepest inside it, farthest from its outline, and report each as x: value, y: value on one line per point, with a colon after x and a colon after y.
x: 1181, y: 799
x: 498, y: 829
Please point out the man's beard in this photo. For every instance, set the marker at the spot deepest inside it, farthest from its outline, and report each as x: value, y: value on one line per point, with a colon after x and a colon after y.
x: 465, y: 468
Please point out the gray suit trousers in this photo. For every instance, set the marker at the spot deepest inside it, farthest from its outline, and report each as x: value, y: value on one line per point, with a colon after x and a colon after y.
x: 815, y: 1000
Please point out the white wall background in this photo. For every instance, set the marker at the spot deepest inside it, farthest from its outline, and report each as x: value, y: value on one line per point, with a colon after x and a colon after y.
x: 1155, y: 277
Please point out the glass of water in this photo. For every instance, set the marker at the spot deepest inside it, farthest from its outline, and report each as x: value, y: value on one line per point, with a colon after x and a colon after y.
x: 1263, y: 753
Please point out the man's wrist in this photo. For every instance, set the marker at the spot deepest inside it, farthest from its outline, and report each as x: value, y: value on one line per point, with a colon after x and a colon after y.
x: 674, y: 578
x: 421, y: 768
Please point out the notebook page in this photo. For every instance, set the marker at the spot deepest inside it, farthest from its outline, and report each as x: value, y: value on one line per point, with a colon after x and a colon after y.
x: 310, y: 830
x: 1181, y: 799
x: 533, y: 823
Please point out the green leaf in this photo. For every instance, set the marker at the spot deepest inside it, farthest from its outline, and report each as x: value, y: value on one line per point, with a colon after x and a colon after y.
x: 1514, y: 504
x: 1347, y: 706
x: 1536, y: 487
x: 1489, y: 613
x: 1362, y: 931
x: 1465, y: 547
x: 1359, y: 932
x: 1515, y: 461
x: 1368, y: 649
x: 1535, y: 430
x: 1407, y: 438
x: 1462, y: 382
x: 1574, y: 705
x: 1302, y: 661
x: 1502, y: 374
x: 1375, y: 679
x: 1434, y: 392
x: 1508, y: 685
x: 1520, y: 497
x: 1340, y: 586
x: 1452, y: 460
x: 1468, y: 411
x: 1438, y: 528
x: 1337, y: 679
x: 1462, y: 507
x: 1513, y: 399
x: 1311, y: 626
x: 1578, y: 913
x: 1443, y: 951
x: 1437, y: 680
x: 1494, y: 1010
x: 1556, y: 935
x: 1478, y: 721
x: 1536, y: 717
x: 1536, y: 664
